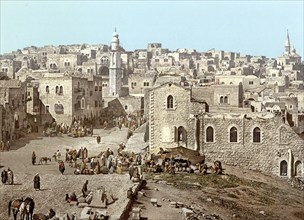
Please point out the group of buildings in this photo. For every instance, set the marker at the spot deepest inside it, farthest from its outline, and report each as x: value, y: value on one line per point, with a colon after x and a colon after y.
x: 244, y: 110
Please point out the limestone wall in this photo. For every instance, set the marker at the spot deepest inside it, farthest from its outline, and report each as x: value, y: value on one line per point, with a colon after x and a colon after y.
x: 266, y: 156
x: 167, y: 122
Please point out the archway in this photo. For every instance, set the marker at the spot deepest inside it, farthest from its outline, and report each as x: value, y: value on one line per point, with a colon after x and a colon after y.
x: 283, y: 168
x: 182, y: 135
x: 104, y: 71
x: 298, y: 168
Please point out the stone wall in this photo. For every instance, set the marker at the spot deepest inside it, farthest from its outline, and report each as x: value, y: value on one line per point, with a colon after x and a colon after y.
x: 266, y: 156
x: 80, y: 97
x: 213, y: 94
x: 131, y: 104
x: 60, y: 59
x: 167, y: 124
x: 139, y: 82
x: 50, y: 98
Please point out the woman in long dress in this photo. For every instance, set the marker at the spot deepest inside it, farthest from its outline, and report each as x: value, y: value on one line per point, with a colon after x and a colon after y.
x: 37, y: 182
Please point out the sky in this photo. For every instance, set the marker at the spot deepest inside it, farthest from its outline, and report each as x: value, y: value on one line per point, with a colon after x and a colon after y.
x: 249, y: 27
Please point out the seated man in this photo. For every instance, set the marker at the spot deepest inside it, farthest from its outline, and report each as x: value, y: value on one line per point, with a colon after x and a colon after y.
x: 73, y: 197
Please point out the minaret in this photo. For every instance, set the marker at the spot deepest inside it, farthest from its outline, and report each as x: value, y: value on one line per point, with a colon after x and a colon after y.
x: 115, y: 72
x: 287, y: 44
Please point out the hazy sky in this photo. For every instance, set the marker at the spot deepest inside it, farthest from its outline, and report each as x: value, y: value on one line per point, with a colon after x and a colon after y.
x: 248, y: 27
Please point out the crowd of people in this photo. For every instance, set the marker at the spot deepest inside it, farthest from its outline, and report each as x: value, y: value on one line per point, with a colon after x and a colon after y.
x: 76, y: 129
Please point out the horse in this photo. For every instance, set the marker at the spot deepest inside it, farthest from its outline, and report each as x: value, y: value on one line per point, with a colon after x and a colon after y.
x: 30, y: 205
x: 17, y: 205
x: 44, y: 159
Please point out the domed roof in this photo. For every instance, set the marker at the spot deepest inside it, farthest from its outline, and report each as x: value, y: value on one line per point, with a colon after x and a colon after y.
x: 293, y: 50
x: 115, y: 40
x: 115, y: 34
x: 115, y: 37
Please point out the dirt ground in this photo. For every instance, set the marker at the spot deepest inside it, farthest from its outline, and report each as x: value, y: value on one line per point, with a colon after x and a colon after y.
x: 239, y: 194
x: 54, y: 186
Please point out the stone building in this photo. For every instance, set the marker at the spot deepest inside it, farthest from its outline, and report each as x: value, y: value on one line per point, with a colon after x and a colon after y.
x: 10, y: 67
x: 68, y: 97
x: 13, y: 100
x: 63, y: 62
x: 289, y: 57
x: 248, y: 82
x: 220, y: 96
x: 256, y: 141
x: 156, y: 49
x: 141, y: 60
x: 139, y: 82
x: 132, y: 104
x: 253, y: 141
x: 115, y: 73
x: 172, y: 117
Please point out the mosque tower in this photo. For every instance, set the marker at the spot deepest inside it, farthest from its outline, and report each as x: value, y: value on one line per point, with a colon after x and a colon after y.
x: 287, y: 44
x: 115, y: 71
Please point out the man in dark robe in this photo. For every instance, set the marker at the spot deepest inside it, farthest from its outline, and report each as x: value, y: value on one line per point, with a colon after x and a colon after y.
x: 37, y: 182
x: 33, y: 158
x: 4, y: 176
x: 61, y: 167
x: 85, y: 189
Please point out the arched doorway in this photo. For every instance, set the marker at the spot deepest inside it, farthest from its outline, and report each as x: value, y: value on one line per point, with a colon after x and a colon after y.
x: 16, y: 118
x: 182, y: 136
x: 104, y: 71
x: 283, y: 168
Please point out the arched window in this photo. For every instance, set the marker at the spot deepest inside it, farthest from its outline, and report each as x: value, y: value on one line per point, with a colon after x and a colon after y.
x: 221, y: 99
x: 209, y: 134
x: 283, y: 168
x: 298, y: 168
x: 225, y: 99
x: 256, y: 135
x: 233, y: 134
x: 53, y: 66
x: 170, y: 101
x: 57, y: 89
x: 61, y: 90
x: 47, y: 89
x: 59, y: 109
x: 83, y: 103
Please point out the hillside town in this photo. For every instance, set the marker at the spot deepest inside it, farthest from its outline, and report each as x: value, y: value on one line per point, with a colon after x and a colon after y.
x: 215, y: 107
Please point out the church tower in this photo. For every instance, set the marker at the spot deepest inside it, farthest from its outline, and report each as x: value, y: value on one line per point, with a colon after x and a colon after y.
x: 287, y: 44
x: 115, y: 71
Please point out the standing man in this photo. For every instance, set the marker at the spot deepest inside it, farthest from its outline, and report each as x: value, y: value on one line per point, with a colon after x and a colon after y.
x: 98, y: 139
x: 8, y: 146
x: 85, y: 189
x: 2, y: 145
x: 33, y: 158
x: 4, y: 176
x: 85, y: 153
x: 61, y: 167
x: 91, y: 130
x: 58, y: 155
x: 10, y: 176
